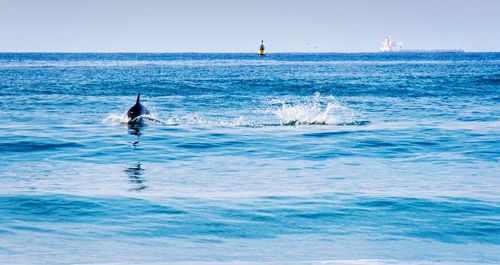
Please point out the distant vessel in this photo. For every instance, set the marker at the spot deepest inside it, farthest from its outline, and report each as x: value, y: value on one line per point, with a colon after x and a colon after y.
x: 262, y: 49
x: 390, y: 46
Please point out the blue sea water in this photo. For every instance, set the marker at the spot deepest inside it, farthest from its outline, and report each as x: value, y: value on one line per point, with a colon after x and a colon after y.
x: 282, y: 159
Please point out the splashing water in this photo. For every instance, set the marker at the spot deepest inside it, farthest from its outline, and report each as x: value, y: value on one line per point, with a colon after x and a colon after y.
x: 152, y: 117
x: 116, y: 119
x: 314, y: 111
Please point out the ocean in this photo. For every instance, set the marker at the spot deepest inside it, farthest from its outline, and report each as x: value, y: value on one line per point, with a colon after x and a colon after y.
x: 366, y: 158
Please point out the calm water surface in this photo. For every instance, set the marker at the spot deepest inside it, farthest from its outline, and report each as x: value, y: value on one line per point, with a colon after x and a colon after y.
x: 284, y: 159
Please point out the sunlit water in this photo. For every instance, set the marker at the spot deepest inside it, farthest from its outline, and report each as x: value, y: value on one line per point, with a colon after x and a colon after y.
x: 283, y: 159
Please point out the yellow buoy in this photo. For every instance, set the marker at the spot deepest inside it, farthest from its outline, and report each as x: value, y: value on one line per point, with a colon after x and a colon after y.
x: 262, y: 49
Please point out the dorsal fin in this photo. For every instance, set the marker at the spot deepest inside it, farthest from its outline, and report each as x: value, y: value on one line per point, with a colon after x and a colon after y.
x: 138, y: 98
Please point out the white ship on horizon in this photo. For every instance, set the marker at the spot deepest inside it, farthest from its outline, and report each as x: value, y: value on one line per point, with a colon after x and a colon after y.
x: 392, y: 46
x: 389, y: 46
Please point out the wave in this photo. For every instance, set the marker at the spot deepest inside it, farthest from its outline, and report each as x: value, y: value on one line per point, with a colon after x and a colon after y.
x: 489, y: 80
x: 445, y: 219
x: 36, y: 146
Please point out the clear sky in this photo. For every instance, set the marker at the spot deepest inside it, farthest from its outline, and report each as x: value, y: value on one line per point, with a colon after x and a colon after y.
x: 239, y: 25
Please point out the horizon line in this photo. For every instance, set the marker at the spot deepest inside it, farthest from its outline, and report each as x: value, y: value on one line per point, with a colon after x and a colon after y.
x: 267, y: 53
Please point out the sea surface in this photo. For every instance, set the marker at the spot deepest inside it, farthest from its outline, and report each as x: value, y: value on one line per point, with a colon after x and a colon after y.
x: 361, y: 158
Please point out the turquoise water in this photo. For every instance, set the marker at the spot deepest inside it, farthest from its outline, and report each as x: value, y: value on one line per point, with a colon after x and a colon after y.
x: 283, y: 159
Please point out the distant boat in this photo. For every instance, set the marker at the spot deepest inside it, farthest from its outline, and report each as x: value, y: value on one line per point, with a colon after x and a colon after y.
x: 262, y: 49
x: 390, y: 46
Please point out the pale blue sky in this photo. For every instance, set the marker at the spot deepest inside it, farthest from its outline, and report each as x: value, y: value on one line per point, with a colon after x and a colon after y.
x: 238, y: 26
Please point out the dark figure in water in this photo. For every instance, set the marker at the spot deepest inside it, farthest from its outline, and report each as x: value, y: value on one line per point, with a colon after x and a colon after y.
x: 137, y: 110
